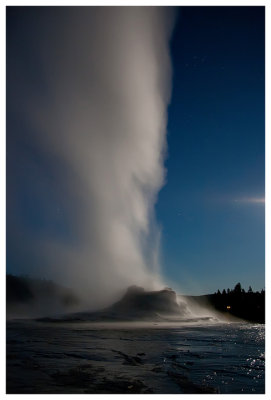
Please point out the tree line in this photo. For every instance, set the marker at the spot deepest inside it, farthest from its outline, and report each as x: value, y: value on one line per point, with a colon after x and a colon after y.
x: 247, y: 305
x: 238, y: 290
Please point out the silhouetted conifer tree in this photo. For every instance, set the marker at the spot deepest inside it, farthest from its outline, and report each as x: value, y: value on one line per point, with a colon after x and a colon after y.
x: 237, y: 289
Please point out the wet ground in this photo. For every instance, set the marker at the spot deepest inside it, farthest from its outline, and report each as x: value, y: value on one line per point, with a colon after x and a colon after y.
x: 147, y: 358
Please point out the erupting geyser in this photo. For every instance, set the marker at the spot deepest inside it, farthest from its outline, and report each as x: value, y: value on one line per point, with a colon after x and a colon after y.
x: 100, y: 131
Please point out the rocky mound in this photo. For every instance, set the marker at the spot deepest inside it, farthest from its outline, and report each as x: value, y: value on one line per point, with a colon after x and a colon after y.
x: 136, y: 304
x: 137, y: 300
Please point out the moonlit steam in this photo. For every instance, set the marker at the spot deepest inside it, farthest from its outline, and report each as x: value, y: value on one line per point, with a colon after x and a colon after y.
x: 98, y: 116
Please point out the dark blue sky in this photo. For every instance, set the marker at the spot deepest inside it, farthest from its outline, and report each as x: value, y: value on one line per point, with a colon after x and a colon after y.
x: 213, y: 225
x: 211, y: 208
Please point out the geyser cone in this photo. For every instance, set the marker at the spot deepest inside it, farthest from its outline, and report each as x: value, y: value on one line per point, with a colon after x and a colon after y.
x: 137, y: 300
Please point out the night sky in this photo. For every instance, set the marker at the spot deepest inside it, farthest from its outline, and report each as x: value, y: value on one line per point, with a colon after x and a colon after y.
x: 211, y: 207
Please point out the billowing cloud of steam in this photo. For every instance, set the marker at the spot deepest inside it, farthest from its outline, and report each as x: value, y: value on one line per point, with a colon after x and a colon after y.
x: 97, y: 115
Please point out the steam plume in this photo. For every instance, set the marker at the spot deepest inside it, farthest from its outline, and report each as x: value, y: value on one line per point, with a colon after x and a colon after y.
x: 93, y: 105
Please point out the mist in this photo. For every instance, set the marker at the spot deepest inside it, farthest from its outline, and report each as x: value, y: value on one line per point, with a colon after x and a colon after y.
x: 90, y: 93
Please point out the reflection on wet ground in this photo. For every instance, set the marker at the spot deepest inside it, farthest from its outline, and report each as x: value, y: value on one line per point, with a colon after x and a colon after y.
x: 154, y: 358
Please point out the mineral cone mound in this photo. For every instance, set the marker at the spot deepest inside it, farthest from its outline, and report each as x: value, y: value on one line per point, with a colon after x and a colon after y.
x: 136, y: 304
x: 138, y: 300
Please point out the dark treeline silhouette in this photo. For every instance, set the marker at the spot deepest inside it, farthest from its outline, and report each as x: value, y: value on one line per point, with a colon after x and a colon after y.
x: 246, y: 305
x: 25, y: 289
x: 27, y: 295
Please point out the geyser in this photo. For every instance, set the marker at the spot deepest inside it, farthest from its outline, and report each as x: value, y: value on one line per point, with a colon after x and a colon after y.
x: 139, y: 305
x: 91, y: 91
